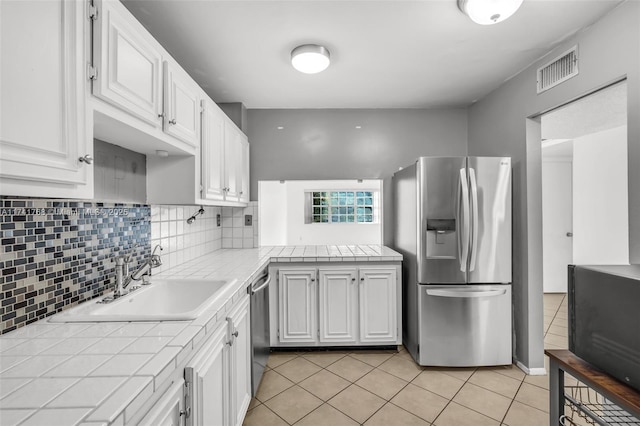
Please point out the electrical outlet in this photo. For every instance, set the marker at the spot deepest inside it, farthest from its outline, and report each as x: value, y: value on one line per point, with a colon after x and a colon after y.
x: 218, y: 219
x: 248, y: 220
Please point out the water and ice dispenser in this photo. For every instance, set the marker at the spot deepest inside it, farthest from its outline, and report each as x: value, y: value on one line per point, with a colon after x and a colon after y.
x: 441, y: 239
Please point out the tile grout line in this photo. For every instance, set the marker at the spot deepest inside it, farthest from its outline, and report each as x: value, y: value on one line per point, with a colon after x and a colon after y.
x: 454, y: 395
x: 386, y: 400
x: 298, y: 355
x: 506, y: 413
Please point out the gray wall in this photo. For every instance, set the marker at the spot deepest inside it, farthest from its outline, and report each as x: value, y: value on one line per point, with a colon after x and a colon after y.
x: 500, y: 124
x: 237, y: 112
x: 120, y: 175
x: 325, y: 144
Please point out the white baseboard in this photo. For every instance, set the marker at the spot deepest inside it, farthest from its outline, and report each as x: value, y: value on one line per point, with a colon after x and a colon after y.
x: 538, y: 371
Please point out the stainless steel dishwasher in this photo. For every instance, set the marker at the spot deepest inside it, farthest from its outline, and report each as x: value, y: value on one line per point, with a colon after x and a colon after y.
x: 260, y: 338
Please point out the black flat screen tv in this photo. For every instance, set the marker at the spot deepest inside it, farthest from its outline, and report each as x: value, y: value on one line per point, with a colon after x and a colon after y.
x: 604, y: 319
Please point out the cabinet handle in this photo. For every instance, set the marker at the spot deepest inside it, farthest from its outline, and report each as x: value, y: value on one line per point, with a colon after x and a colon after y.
x: 161, y: 115
x: 241, y: 192
x: 235, y: 333
x: 186, y: 412
x: 353, y: 279
x: 86, y: 159
x: 172, y: 121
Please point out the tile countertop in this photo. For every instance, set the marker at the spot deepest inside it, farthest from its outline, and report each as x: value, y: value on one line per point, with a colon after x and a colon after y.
x: 102, y: 373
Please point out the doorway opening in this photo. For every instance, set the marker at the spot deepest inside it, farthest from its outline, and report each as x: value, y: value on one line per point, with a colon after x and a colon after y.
x: 585, y: 207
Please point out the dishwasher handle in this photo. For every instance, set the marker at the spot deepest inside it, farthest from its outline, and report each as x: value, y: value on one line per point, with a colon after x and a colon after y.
x: 253, y: 289
x: 465, y: 294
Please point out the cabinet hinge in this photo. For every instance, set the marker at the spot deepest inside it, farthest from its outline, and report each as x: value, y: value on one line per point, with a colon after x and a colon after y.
x: 92, y: 72
x: 187, y: 400
x: 318, y: 333
x: 92, y: 12
x: 278, y: 333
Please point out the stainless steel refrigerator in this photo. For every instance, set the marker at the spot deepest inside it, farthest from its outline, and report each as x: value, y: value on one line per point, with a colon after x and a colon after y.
x: 452, y: 223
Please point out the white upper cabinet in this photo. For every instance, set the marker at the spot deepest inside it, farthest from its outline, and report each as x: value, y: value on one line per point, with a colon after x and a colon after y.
x: 236, y: 175
x: 150, y: 102
x: 232, y: 159
x: 244, y: 170
x: 225, y: 158
x: 212, y: 152
x: 182, y: 104
x: 43, y: 124
x: 128, y: 62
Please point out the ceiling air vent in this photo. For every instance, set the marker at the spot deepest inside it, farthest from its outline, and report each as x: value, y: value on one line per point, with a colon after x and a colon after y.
x: 558, y: 70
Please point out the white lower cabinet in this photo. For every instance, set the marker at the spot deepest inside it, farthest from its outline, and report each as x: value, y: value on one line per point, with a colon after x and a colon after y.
x: 218, y: 378
x: 336, y: 305
x: 168, y: 411
x: 378, y: 301
x: 297, y: 305
x: 239, y: 324
x: 207, y: 379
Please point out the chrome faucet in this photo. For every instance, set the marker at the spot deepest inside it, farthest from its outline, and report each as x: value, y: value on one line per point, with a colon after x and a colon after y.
x: 123, y: 279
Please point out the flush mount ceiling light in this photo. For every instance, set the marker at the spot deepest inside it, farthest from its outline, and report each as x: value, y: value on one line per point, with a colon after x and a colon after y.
x: 489, y: 12
x: 310, y: 58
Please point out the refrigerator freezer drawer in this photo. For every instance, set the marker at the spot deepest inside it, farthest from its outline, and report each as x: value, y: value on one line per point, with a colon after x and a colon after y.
x: 463, y: 326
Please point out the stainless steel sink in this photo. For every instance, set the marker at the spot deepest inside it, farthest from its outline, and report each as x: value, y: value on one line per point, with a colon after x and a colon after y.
x: 162, y: 300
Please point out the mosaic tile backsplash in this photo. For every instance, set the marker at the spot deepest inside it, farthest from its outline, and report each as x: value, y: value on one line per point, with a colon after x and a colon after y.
x: 56, y: 254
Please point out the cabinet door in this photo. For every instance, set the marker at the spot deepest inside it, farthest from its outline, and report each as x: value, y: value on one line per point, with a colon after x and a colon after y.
x: 232, y: 155
x: 378, y: 310
x: 42, y: 100
x: 338, y: 305
x: 297, y: 305
x: 207, y: 375
x: 181, y: 104
x: 244, y: 169
x: 167, y: 411
x: 212, y: 152
x: 128, y: 62
x: 239, y: 324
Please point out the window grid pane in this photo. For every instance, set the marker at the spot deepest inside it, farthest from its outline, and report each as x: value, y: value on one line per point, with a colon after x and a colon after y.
x: 342, y: 207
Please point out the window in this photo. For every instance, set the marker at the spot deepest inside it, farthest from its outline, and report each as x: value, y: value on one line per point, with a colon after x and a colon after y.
x: 341, y: 207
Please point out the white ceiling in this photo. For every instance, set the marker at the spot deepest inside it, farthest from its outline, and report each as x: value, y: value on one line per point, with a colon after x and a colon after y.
x: 385, y: 54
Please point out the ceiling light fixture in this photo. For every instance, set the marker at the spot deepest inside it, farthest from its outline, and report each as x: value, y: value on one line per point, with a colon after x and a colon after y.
x: 310, y: 58
x: 489, y: 12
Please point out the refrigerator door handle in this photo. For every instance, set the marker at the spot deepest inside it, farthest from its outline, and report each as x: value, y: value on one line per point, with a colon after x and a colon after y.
x: 474, y: 219
x: 463, y: 237
x: 465, y: 294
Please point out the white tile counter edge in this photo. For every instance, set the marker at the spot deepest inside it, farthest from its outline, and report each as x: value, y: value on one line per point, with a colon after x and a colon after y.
x: 23, y: 396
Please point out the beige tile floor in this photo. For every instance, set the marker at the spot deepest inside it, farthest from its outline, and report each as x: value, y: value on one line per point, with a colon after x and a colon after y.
x: 388, y: 388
